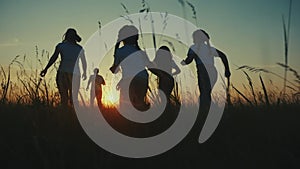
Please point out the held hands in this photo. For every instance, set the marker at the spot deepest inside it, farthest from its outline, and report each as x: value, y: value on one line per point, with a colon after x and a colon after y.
x: 182, y: 63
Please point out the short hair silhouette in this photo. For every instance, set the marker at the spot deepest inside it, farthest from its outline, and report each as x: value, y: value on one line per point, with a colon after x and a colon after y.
x: 96, y: 70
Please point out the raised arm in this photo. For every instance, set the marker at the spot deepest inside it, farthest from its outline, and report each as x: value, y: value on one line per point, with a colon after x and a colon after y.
x: 115, y: 67
x: 225, y: 62
x: 51, y: 61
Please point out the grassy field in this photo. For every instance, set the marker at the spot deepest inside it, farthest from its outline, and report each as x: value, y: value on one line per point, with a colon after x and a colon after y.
x: 259, y: 128
x: 40, y: 136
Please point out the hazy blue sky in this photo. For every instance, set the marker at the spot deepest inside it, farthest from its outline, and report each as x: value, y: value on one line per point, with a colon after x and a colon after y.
x: 248, y: 31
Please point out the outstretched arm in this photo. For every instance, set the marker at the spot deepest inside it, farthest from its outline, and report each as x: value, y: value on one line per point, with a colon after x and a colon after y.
x: 190, y: 56
x: 51, y: 61
x: 225, y: 62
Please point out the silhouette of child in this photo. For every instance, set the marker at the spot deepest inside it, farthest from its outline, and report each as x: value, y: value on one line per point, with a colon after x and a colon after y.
x: 68, y: 74
x: 165, y: 64
x: 96, y: 91
x: 132, y: 61
x: 203, y: 54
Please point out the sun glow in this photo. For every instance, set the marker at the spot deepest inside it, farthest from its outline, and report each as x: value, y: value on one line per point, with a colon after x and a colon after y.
x: 110, y: 96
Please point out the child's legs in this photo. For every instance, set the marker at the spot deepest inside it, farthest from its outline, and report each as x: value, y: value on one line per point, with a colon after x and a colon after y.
x: 204, y: 86
x: 62, y: 87
x: 138, y: 90
x: 166, y: 84
x: 73, y: 86
x: 92, y: 96
x: 98, y: 95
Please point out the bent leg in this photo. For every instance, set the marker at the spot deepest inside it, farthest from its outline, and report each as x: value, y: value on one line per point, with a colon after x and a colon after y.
x: 137, y: 93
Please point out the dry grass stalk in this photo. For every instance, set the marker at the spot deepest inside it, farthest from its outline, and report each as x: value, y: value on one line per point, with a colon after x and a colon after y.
x: 241, y: 94
x: 265, y: 91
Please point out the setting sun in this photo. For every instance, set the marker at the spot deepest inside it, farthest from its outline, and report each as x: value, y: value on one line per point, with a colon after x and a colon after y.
x: 110, y: 96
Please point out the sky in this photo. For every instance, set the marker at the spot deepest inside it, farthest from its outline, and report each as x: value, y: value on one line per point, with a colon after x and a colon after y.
x: 250, y: 32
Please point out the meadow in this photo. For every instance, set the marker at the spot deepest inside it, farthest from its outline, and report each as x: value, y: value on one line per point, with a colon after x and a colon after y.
x: 259, y: 127
x: 41, y: 136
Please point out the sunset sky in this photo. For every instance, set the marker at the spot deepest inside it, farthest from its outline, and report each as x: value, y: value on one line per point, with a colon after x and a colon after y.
x: 250, y: 31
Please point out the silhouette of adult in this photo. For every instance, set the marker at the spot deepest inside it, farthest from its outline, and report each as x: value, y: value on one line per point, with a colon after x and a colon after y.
x: 96, y: 91
x: 165, y: 64
x: 68, y: 70
x: 203, y: 54
x: 129, y: 58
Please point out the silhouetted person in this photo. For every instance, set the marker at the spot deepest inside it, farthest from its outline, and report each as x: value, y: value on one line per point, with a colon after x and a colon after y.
x: 165, y: 64
x: 132, y: 61
x: 203, y: 54
x: 68, y: 70
x: 96, y: 91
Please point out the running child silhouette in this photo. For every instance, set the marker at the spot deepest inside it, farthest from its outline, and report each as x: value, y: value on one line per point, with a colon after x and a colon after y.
x: 96, y: 91
x: 165, y: 64
x: 68, y: 74
x: 203, y: 54
x: 132, y: 62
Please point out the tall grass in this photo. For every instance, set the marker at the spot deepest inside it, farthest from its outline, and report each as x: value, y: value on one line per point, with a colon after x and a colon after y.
x: 251, y: 86
x: 126, y: 16
x: 278, y: 97
x: 146, y: 9
x: 27, y: 87
x: 6, y: 80
x: 243, y: 95
x: 286, y: 35
x: 265, y: 91
x: 30, y: 88
x: 194, y: 13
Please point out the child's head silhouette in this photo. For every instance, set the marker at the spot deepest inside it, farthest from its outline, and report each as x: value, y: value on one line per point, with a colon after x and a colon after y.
x: 96, y: 70
x: 129, y: 34
x: 200, y: 36
x: 72, y: 36
x: 164, y: 52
